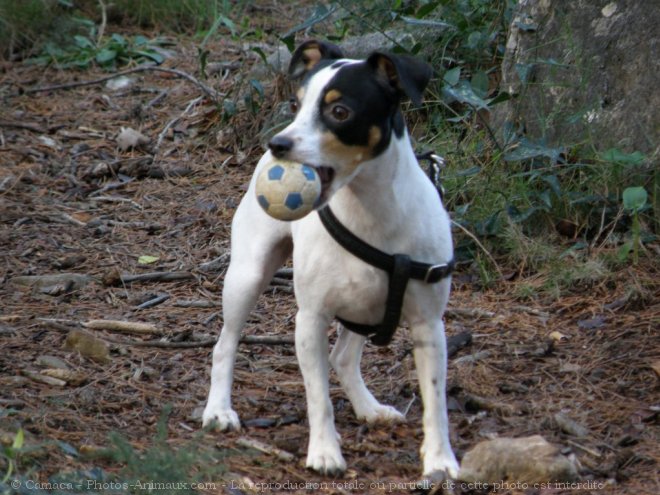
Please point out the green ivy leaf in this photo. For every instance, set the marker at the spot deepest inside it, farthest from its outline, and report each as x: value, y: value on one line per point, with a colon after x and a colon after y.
x: 83, y: 42
x: 119, y: 39
x: 452, y: 76
x: 526, y: 150
x: 463, y: 93
x: 140, y: 40
x: 480, y: 84
x: 156, y: 57
x: 614, y: 155
x: 634, y: 198
x: 105, y: 56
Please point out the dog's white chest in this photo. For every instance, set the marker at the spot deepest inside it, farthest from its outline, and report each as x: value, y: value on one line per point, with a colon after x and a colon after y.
x: 337, y: 283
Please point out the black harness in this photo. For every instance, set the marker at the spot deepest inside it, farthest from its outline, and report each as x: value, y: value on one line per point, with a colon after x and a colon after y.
x: 399, y: 267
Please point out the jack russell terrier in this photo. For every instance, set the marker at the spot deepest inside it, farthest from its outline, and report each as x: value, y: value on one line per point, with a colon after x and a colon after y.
x: 348, y: 125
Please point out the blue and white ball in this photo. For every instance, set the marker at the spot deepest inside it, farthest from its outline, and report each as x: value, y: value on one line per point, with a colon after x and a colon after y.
x: 288, y: 190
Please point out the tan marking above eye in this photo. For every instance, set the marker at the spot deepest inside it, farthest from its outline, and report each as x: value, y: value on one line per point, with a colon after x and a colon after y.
x: 300, y: 94
x: 332, y: 95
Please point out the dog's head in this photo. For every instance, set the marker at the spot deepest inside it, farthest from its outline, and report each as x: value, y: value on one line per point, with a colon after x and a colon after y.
x: 346, y: 111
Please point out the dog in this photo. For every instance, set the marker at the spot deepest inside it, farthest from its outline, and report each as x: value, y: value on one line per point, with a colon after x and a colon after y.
x: 348, y: 125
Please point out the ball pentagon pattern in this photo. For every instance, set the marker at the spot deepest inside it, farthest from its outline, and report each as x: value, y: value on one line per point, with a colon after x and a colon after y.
x: 287, y: 190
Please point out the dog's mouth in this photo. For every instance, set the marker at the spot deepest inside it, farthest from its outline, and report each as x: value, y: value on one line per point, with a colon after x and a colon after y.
x: 327, y: 175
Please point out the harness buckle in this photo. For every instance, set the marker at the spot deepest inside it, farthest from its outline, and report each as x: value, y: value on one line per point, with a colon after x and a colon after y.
x: 435, y: 273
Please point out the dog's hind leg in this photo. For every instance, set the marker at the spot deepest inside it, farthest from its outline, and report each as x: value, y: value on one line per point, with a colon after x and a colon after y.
x: 259, y: 247
x: 345, y: 359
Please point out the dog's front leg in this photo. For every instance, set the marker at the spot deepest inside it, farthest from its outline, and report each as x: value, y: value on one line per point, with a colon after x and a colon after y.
x: 324, y: 452
x: 258, y: 249
x: 430, y: 353
x: 242, y: 286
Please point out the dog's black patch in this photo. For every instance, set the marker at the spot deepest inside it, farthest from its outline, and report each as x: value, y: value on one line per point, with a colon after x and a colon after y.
x: 372, y: 105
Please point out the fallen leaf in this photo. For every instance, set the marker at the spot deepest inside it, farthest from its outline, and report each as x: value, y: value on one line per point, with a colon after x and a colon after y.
x: 569, y: 368
x: 557, y: 336
x: 147, y: 260
x: 656, y: 367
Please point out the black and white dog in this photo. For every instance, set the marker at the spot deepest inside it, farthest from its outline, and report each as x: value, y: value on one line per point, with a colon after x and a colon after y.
x: 348, y: 125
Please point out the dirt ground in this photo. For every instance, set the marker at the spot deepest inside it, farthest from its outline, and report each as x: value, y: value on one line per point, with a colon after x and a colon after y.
x: 72, y: 202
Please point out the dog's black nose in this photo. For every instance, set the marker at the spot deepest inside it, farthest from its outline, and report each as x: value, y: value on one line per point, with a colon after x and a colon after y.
x: 279, y: 145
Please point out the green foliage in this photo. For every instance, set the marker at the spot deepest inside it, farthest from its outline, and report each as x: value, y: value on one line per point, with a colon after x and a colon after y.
x: 559, y: 198
x: 12, y: 452
x: 160, y: 468
x: 177, y: 15
x: 23, y: 22
x: 634, y: 201
x: 49, y: 26
x: 162, y: 463
x: 116, y: 50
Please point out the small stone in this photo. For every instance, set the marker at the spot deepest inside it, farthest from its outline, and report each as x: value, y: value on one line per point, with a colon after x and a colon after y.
x: 52, y: 362
x: 88, y: 346
x: 609, y: 9
x: 569, y: 368
x: 120, y: 82
x: 570, y: 426
x: 130, y: 138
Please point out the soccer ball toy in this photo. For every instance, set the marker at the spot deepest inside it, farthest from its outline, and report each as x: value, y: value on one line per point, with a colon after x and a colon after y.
x: 288, y: 190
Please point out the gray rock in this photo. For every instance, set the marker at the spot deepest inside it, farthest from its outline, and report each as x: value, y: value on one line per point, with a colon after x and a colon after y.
x: 585, y: 72
x: 570, y: 426
x: 353, y: 47
x: 52, y: 362
x: 523, y: 460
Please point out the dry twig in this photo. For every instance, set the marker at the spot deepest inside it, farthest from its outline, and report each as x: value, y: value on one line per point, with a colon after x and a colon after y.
x: 210, y: 92
x: 122, y: 326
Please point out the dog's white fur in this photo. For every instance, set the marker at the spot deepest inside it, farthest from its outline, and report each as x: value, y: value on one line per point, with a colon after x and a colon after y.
x: 390, y: 203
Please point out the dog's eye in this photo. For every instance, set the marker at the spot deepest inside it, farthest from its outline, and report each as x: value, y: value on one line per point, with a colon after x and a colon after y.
x: 293, y: 105
x: 340, y: 113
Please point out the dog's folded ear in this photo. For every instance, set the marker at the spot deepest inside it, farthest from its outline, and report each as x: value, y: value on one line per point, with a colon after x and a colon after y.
x: 311, y: 53
x: 406, y: 75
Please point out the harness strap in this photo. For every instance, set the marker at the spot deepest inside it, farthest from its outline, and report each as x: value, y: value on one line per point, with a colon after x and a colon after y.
x: 400, y: 269
x: 425, y: 272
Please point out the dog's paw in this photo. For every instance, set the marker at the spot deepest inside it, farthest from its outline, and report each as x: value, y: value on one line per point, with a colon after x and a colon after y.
x: 326, y: 460
x: 381, y: 414
x: 220, y: 420
x: 440, y: 467
x: 435, y: 483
